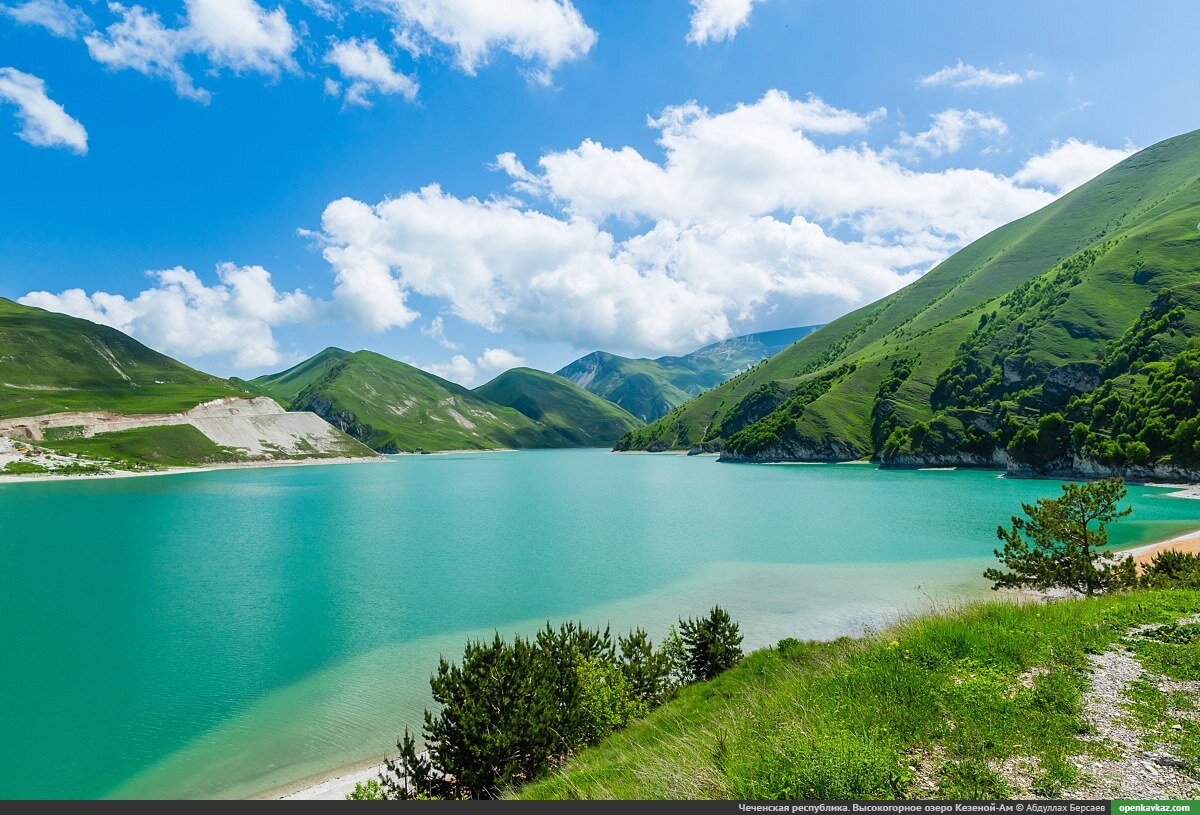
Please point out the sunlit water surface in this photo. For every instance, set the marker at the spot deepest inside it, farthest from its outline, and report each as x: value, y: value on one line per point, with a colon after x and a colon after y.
x: 233, y: 632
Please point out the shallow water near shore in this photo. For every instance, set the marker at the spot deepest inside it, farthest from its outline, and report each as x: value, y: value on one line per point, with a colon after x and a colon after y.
x: 232, y: 632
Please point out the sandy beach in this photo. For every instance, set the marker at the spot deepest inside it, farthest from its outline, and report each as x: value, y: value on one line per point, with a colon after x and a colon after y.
x: 1142, y: 555
x: 332, y: 789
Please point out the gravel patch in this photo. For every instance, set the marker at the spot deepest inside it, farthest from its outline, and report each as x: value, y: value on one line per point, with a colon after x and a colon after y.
x: 1124, y: 767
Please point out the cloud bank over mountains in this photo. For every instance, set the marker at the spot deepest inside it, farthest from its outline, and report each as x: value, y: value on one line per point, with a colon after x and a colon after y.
x: 775, y: 205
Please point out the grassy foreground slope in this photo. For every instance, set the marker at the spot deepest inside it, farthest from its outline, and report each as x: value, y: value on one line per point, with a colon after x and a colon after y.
x: 649, y: 388
x: 53, y: 363
x: 1005, y: 332
x: 582, y: 418
x: 393, y: 407
x: 982, y: 702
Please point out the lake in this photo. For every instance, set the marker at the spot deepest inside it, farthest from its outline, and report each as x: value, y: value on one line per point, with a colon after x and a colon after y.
x: 227, y: 633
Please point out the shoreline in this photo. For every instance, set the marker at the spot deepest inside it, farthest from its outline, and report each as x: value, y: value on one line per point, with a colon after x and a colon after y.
x: 338, y: 783
x: 1142, y: 554
x: 232, y: 465
x: 333, y: 786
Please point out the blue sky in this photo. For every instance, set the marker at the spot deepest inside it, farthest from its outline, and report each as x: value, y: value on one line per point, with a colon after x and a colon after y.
x: 669, y: 173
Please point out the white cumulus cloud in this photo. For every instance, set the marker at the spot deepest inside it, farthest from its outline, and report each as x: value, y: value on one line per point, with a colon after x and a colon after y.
x: 543, y: 33
x: 366, y: 69
x: 964, y: 75
x: 239, y: 35
x: 56, y: 16
x: 183, y: 317
x: 1068, y: 164
x: 139, y: 41
x: 744, y: 217
x: 436, y: 331
x: 950, y: 129
x: 43, y: 122
x: 716, y: 20
x: 466, y: 372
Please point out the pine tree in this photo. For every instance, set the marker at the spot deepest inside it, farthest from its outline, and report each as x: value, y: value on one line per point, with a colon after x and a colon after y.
x: 410, y: 776
x: 647, y: 668
x: 712, y: 644
x: 1058, y: 545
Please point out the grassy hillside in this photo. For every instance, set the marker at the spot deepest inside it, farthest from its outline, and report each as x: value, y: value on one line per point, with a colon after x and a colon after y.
x: 582, y: 418
x: 285, y: 386
x: 50, y: 363
x: 982, y: 702
x: 162, y: 446
x: 963, y: 365
x: 393, y: 407
x: 649, y: 388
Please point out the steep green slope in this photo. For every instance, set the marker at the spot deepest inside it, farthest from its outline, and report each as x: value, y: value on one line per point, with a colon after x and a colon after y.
x: 985, y: 701
x: 963, y: 365
x: 582, y: 418
x: 285, y: 386
x: 51, y: 363
x: 393, y: 407
x: 649, y: 388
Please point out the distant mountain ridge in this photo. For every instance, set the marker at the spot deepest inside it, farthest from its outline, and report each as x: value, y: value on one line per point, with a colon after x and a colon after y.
x: 650, y: 388
x: 580, y: 417
x: 1062, y: 343
x: 393, y: 407
x: 76, y: 396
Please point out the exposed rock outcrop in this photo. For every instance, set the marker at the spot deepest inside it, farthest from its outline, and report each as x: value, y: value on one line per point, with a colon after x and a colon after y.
x: 1086, y: 468
x: 799, y: 450
x: 959, y: 458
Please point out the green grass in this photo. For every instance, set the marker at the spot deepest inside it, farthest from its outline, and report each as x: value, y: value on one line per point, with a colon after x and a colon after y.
x: 393, y: 407
x: 1141, y: 213
x: 23, y: 468
x: 933, y: 707
x: 650, y: 388
x: 50, y: 363
x: 1169, y: 715
x: 163, y: 446
x: 582, y: 418
x: 285, y: 386
x: 71, y: 468
x: 1157, y: 712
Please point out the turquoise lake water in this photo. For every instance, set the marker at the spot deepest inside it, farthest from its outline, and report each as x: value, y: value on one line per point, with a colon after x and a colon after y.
x: 232, y: 632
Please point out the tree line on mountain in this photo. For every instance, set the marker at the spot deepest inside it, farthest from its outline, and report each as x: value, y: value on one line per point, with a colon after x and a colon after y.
x: 1143, y: 409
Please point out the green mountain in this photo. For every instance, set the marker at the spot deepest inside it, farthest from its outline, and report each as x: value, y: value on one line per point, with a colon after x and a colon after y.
x: 584, y: 419
x: 393, y: 407
x: 52, y: 363
x: 285, y: 386
x: 650, y: 388
x: 83, y: 398
x: 1059, y: 343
